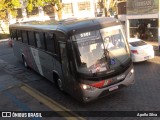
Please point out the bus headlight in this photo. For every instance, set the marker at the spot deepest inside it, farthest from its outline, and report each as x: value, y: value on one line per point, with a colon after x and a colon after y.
x: 130, y: 73
x: 84, y: 86
x: 132, y: 70
x: 88, y: 87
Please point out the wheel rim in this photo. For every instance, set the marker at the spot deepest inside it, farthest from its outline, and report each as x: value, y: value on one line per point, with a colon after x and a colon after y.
x: 25, y: 64
x: 59, y: 81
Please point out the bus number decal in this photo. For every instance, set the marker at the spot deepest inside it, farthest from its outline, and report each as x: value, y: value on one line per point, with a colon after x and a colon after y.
x: 85, y: 34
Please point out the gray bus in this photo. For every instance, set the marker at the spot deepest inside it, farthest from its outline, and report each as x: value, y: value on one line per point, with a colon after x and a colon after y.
x: 87, y: 58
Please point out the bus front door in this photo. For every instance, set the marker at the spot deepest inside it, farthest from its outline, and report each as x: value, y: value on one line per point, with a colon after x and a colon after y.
x: 64, y: 65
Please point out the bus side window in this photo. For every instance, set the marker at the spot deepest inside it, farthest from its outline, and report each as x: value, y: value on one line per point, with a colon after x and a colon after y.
x: 63, y: 52
x: 31, y: 38
x: 25, y: 36
x: 40, y: 40
x: 49, y: 37
x: 19, y: 35
x: 13, y: 34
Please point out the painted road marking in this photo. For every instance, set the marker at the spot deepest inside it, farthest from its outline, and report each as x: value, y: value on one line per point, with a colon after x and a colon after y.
x: 14, y: 99
x: 19, y: 103
x: 51, y: 103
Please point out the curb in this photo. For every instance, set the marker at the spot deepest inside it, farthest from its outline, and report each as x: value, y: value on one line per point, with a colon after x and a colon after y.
x: 67, y: 114
x: 4, y: 40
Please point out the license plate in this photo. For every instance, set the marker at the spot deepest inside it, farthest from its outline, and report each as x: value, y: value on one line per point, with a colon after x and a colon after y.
x: 147, y: 57
x: 113, y: 88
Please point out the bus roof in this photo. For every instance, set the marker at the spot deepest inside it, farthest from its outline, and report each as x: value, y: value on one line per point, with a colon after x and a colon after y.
x: 69, y: 25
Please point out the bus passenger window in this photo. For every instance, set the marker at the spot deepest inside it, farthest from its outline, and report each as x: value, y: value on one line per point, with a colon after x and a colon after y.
x: 19, y: 35
x: 13, y: 33
x: 49, y: 37
x: 40, y: 40
x: 63, y: 52
x: 24, y: 36
x: 31, y: 38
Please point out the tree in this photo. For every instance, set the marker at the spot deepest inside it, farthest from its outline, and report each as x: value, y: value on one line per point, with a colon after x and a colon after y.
x: 57, y: 5
x: 106, y: 6
x: 109, y: 6
x: 102, y: 5
x: 8, y: 7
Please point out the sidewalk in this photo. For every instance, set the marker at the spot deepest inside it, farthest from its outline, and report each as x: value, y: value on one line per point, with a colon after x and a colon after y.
x: 17, y: 96
x: 13, y: 97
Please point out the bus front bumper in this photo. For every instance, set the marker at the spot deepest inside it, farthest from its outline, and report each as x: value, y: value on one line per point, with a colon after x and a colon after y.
x: 89, y: 95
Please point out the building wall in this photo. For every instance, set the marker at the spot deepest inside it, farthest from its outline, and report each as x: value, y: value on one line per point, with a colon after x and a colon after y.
x: 137, y: 7
x: 78, y: 8
x: 142, y: 10
x: 121, y: 8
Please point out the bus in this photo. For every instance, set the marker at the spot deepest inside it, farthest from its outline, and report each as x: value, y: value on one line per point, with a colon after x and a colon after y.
x: 86, y: 58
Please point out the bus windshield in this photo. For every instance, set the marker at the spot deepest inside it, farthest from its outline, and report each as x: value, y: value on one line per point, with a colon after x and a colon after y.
x: 101, y: 51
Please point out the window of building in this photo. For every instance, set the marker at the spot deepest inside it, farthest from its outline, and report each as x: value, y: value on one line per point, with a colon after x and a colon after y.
x: 145, y: 29
x: 24, y: 36
x: 84, y: 6
x: 50, y: 37
x: 31, y: 38
x: 67, y: 8
x: 19, y: 35
x: 40, y: 40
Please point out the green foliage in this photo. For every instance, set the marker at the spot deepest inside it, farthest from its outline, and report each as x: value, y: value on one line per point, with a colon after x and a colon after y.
x: 8, y: 7
x: 57, y: 5
x: 4, y: 36
x: 101, y: 4
x: 35, y: 3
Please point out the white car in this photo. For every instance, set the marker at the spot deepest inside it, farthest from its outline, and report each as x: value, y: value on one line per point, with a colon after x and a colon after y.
x: 140, y: 50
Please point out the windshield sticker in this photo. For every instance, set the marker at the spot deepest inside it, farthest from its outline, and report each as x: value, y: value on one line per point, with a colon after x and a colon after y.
x: 98, y: 68
x: 113, y: 62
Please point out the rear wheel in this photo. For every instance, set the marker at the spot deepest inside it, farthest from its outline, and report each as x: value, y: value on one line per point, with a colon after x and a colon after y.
x: 25, y: 62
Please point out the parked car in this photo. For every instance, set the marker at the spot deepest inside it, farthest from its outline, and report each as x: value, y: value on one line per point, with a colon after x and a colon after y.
x: 140, y: 50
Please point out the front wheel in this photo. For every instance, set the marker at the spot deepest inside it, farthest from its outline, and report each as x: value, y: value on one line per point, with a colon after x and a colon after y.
x: 60, y: 84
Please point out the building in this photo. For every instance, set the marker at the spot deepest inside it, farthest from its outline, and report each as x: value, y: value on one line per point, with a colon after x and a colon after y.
x: 71, y: 8
x: 142, y: 19
x: 78, y: 8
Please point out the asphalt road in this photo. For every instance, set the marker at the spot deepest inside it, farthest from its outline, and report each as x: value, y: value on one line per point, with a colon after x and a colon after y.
x: 142, y: 96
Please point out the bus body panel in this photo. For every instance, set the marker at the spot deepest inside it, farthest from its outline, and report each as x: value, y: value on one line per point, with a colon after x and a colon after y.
x: 43, y: 63
x: 63, y: 63
x: 89, y: 95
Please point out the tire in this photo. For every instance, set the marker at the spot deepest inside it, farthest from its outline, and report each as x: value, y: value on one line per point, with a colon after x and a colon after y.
x: 59, y: 84
x: 25, y: 63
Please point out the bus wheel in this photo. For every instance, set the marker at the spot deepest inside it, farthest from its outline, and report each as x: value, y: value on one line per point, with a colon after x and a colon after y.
x: 25, y: 63
x: 60, y: 84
